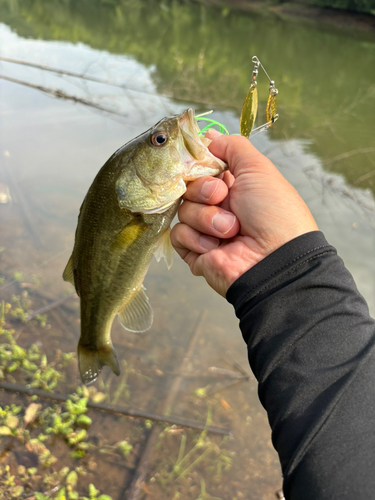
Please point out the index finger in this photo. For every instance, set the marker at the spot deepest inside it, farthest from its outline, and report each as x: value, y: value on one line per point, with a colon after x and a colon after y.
x: 208, y: 190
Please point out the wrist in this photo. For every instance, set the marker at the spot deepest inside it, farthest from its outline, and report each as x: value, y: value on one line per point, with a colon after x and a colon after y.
x: 274, y: 265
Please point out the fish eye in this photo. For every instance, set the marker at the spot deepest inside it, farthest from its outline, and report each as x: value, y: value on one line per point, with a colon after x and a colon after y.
x: 159, y: 139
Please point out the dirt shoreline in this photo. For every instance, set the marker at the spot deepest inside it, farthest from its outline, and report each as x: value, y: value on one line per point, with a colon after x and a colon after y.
x: 341, y: 19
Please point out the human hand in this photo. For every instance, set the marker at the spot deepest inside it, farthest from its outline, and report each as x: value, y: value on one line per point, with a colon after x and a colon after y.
x: 229, y: 224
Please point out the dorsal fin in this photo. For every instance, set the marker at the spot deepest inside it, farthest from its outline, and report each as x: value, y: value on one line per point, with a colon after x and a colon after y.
x: 137, y: 315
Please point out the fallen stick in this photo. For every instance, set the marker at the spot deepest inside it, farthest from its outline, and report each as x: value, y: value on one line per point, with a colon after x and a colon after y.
x: 77, y: 75
x: 50, y: 306
x: 91, y: 79
x: 63, y: 95
x: 117, y: 410
x: 212, y: 372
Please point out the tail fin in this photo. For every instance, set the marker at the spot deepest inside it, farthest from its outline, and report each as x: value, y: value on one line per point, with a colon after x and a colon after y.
x: 91, y: 362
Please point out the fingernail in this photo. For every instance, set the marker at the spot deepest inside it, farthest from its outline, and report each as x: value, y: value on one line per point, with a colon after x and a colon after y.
x: 213, y: 133
x: 223, y: 222
x: 208, y: 189
x: 208, y: 242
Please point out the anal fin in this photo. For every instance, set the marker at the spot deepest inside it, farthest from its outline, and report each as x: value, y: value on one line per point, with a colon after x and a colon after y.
x: 137, y: 315
x: 91, y: 362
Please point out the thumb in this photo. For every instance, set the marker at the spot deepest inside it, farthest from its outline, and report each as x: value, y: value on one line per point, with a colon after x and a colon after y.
x: 237, y: 151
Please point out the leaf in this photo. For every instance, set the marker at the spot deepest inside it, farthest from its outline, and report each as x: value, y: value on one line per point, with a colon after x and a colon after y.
x: 12, y: 421
x: 93, y: 492
x: 81, y: 435
x: 40, y: 496
x: 72, y: 478
x: 98, y: 397
x: 84, y: 420
x: 125, y: 448
x: 61, y: 494
x: 30, y: 413
x: 81, y: 405
x: 5, y: 431
x: 225, y: 404
x: 35, y: 446
x: 16, y: 491
x: 13, y: 366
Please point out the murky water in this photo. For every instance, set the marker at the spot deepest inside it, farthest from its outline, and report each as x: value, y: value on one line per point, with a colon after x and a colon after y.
x: 159, y: 58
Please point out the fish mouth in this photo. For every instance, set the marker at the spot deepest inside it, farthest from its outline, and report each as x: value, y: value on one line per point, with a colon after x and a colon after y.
x: 198, y: 159
x: 188, y: 123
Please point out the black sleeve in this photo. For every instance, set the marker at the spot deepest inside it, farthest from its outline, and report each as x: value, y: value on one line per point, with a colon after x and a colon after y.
x: 311, y: 347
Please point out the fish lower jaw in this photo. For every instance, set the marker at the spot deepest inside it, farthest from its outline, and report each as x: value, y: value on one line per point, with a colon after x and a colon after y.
x: 201, y: 170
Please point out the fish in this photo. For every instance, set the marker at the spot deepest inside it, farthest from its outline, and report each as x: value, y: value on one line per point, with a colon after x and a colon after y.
x: 124, y: 220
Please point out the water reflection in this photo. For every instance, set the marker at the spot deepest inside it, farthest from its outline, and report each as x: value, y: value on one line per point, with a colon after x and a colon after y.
x: 203, y: 54
x: 52, y: 148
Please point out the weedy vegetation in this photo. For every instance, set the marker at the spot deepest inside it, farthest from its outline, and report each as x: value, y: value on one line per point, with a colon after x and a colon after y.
x: 32, y: 427
x: 35, y: 426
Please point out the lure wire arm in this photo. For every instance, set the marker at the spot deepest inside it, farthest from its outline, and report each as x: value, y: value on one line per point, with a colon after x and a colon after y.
x: 271, y: 105
x: 256, y: 61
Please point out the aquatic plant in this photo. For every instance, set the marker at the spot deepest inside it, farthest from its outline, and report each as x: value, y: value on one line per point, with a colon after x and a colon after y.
x: 31, y: 363
x: 36, y: 427
x: 33, y: 427
x: 195, y: 453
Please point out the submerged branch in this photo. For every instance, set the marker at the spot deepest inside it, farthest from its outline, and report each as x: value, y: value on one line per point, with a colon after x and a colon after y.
x: 81, y: 76
x: 50, y: 306
x: 365, y: 177
x: 63, y: 95
x: 119, y: 410
x: 347, y: 154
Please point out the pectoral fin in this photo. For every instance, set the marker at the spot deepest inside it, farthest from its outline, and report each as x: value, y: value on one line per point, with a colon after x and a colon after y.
x: 68, y: 272
x: 164, y: 249
x: 137, y: 315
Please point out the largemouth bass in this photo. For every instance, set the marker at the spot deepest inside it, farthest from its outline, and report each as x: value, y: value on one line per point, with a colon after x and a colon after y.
x: 124, y: 220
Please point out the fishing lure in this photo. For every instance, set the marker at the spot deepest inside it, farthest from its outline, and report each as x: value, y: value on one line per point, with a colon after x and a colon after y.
x: 249, y: 108
x: 210, y: 123
x: 250, y: 105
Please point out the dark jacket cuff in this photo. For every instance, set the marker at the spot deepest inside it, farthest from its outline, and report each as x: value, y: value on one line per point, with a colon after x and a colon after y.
x: 276, y: 265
